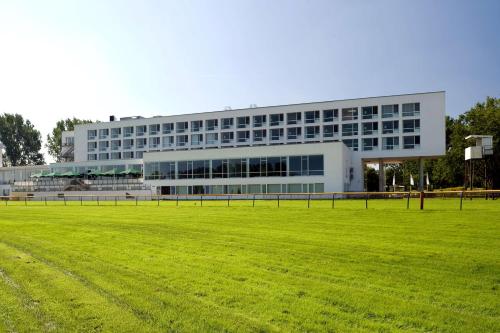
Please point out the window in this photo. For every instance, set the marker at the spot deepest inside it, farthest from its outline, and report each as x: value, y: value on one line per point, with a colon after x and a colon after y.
x: 257, y: 167
x: 91, y: 134
x: 294, y: 133
x: 349, y: 129
x: 201, y: 169
x: 390, y: 143
x: 293, y: 118
x: 181, y: 140
x: 154, y: 129
x: 103, y: 156
x: 276, y: 166
x: 196, y: 125
x: 370, y: 112
x: 116, y: 144
x: 212, y: 138
x: 227, y: 137
x: 116, y: 132
x: 411, y: 142
x: 167, y: 170
x: 306, y: 165
x: 312, y: 117
x: 389, y: 111
x: 411, y: 110
x: 411, y: 125
x: 219, y: 168
x: 128, y: 143
x: 167, y: 141
x: 185, y: 169
x: 237, y: 168
x: 370, y: 128
x: 227, y: 123
x: 128, y: 131
x: 92, y: 157
x: 167, y: 128
x: 276, y: 119
x: 103, y: 145
x: 330, y: 130
x: 259, y: 121
x: 243, y: 122
x: 196, y: 139
x: 139, y: 154
x: 243, y: 136
x: 141, y: 143
x: 140, y: 130
x: 181, y: 126
x: 103, y: 133
x: 91, y: 146
x: 330, y: 115
x: 128, y: 155
x: 390, y: 127
x: 277, y: 134
x: 312, y: 132
x: 211, y: 124
x: 154, y: 143
x: 259, y: 135
x: 116, y: 156
x: 351, y: 143
x: 349, y: 114
x: 370, y: 143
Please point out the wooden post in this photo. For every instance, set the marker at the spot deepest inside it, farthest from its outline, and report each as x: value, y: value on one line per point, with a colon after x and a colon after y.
x: 158, y: 200
x: 408, y: 201
x: 177, y: 201
x: 366, y: 201
x: 228, y: 200
x: 25, y: 203
x: 201, y: 200
x: 422, y: 197
x: 253, y: 203
x: 461, y: 199
x: 309, y: 201
x: 278, y: 200
x: 333, y: 200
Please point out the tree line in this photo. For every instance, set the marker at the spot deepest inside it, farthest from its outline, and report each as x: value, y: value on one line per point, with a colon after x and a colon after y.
x: 23, y: 144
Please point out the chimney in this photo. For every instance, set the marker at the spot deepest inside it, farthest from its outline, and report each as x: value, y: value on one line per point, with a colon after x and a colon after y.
x: 111, y: 118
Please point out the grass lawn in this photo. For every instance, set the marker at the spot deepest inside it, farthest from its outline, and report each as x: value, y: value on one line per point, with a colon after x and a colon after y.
x: 239, y: 268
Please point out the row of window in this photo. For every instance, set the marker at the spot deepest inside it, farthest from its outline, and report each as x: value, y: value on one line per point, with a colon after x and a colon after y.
x: 275, y: 166
x: 278, y: 119
x: 243, y: 189
x: 388, y: 143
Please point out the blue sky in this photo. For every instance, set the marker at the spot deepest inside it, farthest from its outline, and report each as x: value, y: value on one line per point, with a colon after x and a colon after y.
x: 91, y: 59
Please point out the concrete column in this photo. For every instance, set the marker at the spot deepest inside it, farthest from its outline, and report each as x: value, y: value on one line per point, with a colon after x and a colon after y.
x: 420, y: 174
x: 381, y: 176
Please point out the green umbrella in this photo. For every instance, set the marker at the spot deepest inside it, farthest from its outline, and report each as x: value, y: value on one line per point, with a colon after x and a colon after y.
x: 70, y: 174
x: 96, y: 173
x: 37, y: 175
x: 131, y: 171
x: 110, y: 173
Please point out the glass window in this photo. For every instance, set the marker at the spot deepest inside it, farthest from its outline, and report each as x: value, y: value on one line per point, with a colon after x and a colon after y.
x: 139, y: 154
x: 181, y: 126
x: 116, y: 144
x: 227, y: 123
x: 293, y: 118
x: 351, y: 143
x: 168, y: 141
x: 140, y: 130
x: 128, y: 143
x: 154, y: 142
x: 201, y: 169
x: 411, y: 110
x: 390, y: 127
x: 276, y: 119
x: 389, y: 111
x: 116, y: 155
x: 91, y: 146
x: 219, y: 168
x: 259, y: 121
x: 212, y: 138
x: 349, y: 114
x: 254, y: 167
x: 211, y: 124
x: 167, y: 128
x: 116, y: 132
x: 277, y: 134
x: 227, y: 137
x: 370, y: 143
x: 237, y: 168
x: 411, y: 125
x: 196, y: 139
x: 128, y: 131
x: 411, y: 142
x: 103, y: 133
x: 312, y: 117
x: 140, y: 142
x: 315, y: 166
x: 390, y: 143
x: 330, y: 130
x: 312, y: 132
x: 167, y: 170
x: 128, y: 154
x: 243, y: 136
x: 181, y: 140
x: 370, y: 128
x: 294, y: 133
x: 91, y: 134
x: 330, y: 115
x: 103, y: 145
x: 185, y: 169
x: 370, y: 112
x: 92, y: 157
x: 154, y: 129
x: 243, y: 122
x: 196, y: 125
x: 349, y: 129
x: 259, y: 135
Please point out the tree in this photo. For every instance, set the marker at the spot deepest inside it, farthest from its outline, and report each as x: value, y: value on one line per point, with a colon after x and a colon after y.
x: 22, y: 141
x: 54, y: 141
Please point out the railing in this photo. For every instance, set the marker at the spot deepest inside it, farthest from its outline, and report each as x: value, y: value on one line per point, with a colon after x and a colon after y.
x: 358, y: 200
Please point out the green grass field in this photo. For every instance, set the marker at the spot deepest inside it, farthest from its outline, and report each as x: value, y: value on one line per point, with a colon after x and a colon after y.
x: 238, y: 268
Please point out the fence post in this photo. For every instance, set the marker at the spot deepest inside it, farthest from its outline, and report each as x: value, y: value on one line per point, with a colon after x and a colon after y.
x: 45, y: 201
x: 366, y: 201
x: 25, y: 203
x: 136, y: 199
x: 81, y: 201
x: 422, y: 197
x: 177, y: 201
x: 278, y: 196
x: 408, y: 201
x: 461, y: 199
x: 253, y: 203
x: 97, y: 200
x: 64, y: 198
x: 309, y: 201
x: 115, y: 200
x: 228, y: 200
x: 158, y: 199
x: 333, y: 200
x: 201, y: 200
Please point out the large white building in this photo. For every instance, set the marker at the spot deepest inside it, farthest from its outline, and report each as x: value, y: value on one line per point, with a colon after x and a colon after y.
x: 307, y: 147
